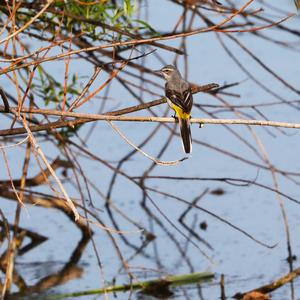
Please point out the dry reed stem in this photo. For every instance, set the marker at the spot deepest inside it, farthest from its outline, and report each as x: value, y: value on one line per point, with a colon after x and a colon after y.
x: 10, y: 177
x: 41, y: 154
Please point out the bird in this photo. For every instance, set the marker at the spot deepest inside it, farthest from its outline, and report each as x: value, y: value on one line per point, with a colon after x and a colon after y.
x: 180, y: 98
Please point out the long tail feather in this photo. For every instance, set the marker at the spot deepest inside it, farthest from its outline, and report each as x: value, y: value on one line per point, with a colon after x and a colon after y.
x: 186, y: 135
x: 297, y: 3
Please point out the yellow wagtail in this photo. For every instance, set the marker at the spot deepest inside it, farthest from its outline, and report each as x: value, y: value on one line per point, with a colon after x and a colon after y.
x: 180, y: 99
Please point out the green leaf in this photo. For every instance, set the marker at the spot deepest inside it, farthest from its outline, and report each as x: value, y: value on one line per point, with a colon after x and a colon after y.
x: 146, y: 25
x: 118, y: 14
x: 130, y: 9
x: 127, y: 7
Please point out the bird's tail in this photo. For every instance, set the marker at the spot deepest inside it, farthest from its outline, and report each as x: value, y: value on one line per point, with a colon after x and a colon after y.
x: 297, y: 3
x: 186, y: 135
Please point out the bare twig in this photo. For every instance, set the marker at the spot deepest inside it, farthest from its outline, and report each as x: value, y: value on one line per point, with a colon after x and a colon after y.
x: 41, y: 154
x: 133, y: 42
x: 157, y: 161
x: 5, y: 100
x: 49, y: 2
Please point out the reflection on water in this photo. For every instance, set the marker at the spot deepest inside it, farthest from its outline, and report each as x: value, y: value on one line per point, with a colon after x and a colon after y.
x: 69, y: 271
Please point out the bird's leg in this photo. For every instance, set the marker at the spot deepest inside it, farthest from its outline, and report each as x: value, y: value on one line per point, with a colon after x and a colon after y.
x: 174, y: 116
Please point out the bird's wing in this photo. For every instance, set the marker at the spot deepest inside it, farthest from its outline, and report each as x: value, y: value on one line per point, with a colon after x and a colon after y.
x: 182, y: 99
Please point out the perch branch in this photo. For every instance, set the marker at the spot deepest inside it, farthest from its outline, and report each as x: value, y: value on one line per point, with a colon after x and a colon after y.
x: 108, y: 117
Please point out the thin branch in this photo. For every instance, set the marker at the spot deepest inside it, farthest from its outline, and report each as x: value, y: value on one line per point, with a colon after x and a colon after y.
x: 14, y: 145
x: 200, y: 121
x: 39, y: 151
x: 5, y: 100
x: 49, y: 2
x: 132, y: 42
x: 155, y: 160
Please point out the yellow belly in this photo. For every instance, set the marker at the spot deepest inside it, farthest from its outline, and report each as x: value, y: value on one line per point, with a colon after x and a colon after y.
x: 180, y: 113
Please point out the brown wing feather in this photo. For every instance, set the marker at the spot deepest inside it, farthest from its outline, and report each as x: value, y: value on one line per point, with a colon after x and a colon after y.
x: 182, y: 99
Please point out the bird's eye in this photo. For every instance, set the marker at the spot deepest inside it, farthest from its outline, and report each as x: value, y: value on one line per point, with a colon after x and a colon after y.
x: 167, y: 71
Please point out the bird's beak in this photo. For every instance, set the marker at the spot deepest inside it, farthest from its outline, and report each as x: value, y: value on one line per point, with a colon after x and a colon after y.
x: 159, y: 72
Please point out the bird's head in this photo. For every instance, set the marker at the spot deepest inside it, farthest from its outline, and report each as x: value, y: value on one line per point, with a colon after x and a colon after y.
x: 169, y: 72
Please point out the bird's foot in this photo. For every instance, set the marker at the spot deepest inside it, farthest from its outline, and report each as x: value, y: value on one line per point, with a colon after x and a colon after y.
x: 175, y: 117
